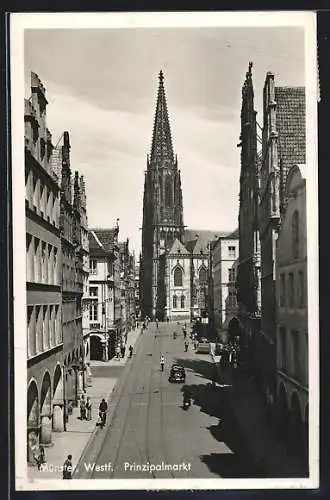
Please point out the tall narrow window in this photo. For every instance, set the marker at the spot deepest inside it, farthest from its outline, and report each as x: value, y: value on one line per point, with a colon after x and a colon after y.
x: 31, y: 326
x: 92, y: 266
x: 291, y: 290
x: 182, y: 301
x: 36, y: 260
x: 39, y: 322
x: 93, y: 312
x: 232, y: 275
x: 178, y: 276
x: 168, y: 192
x: 43, y: 262
x: 295, y: 234
x: 29, y: 258
x: 175, y: 302
x: 45, y: 327
x: 202, y: 276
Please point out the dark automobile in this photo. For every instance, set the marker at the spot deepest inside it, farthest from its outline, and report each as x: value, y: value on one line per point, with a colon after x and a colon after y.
x: 177, y: 374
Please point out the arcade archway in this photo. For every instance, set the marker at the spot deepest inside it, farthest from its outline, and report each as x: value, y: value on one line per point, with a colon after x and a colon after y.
x: 32, y: 420
x: 58, y: 400
x: 46, y: 410
x: 96, y: 348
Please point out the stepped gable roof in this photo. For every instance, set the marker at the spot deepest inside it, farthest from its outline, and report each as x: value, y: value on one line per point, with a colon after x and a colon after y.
x: 103, y: 239
x: 196, y: 240
x: 290, y: 125
x: 176, y: 247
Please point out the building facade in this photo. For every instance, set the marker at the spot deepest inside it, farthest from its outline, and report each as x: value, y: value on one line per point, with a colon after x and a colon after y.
x: 224, y: 273
x: 54, y: 276
x: 283, y: 145
x: 72, y: 276
x: 105, y: 320
x: 292, y: 318
x: 43, y: 277
x: 81, y: 205
x: 249, y: 265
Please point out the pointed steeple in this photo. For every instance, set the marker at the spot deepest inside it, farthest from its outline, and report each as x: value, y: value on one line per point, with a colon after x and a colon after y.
x: 161, y: 148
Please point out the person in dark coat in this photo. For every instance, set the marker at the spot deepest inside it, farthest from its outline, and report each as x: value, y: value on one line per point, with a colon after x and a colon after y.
x: 67, y: 468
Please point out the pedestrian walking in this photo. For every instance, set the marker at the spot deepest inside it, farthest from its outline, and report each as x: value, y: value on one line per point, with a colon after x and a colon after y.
x: 168, y: 319
x: 157, y: 323
x: 122, y: 351
x: 41, y: 457
x: 130, y: 351
x: 89, y: 408
x: 186, y: 346
x: 83, y: 408
x: 67, y: 468
x: 103, y: 408
x: 162, y: 362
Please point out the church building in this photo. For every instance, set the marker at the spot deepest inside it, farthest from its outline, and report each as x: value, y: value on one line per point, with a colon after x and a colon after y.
x: 174, y: 268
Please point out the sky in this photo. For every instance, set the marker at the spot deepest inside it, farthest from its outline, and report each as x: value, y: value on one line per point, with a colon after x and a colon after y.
x: 101, y: 86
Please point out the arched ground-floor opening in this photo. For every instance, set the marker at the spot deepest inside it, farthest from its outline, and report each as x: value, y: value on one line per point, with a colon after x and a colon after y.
x: 46, y: 411
x: 32, y: 421
x: 96, y: 348
x: 58, y: 400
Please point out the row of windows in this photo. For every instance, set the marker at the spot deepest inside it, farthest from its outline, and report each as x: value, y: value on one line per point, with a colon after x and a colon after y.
x: 41, y: 199
x: 42, y: 261
x: 178, y: 276
x: 43, y: 328
x: 93, y: 267
x: 291, y: 353
x: 176, y: 302
x: 232, y: 252
x: 69, y: 273
x: 69, y: 310
x: 292, y: 289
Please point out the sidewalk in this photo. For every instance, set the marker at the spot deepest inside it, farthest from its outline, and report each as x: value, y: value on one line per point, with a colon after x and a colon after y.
x: 258, y: 434
x: 78, y: 433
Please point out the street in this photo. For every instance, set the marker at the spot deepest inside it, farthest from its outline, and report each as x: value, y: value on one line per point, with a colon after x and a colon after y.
x: 152, y: 436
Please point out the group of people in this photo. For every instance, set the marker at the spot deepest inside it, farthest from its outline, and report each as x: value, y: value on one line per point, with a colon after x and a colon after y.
x: 230, y: 355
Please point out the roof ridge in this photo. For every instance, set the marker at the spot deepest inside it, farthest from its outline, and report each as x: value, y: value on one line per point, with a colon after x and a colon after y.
x: 98, y: 241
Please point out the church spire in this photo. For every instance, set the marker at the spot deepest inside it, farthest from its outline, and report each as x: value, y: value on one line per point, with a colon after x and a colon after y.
x: 161, y: 148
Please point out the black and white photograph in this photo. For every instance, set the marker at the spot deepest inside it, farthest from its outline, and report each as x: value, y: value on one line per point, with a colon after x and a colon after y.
x: 165, y: 250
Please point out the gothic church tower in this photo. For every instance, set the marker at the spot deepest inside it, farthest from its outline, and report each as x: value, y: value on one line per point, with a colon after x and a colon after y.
x: 162, y: 210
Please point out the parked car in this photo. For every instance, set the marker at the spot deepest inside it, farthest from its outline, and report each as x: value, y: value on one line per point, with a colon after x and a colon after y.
x: 177, y: 374
x: 203, y: 346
